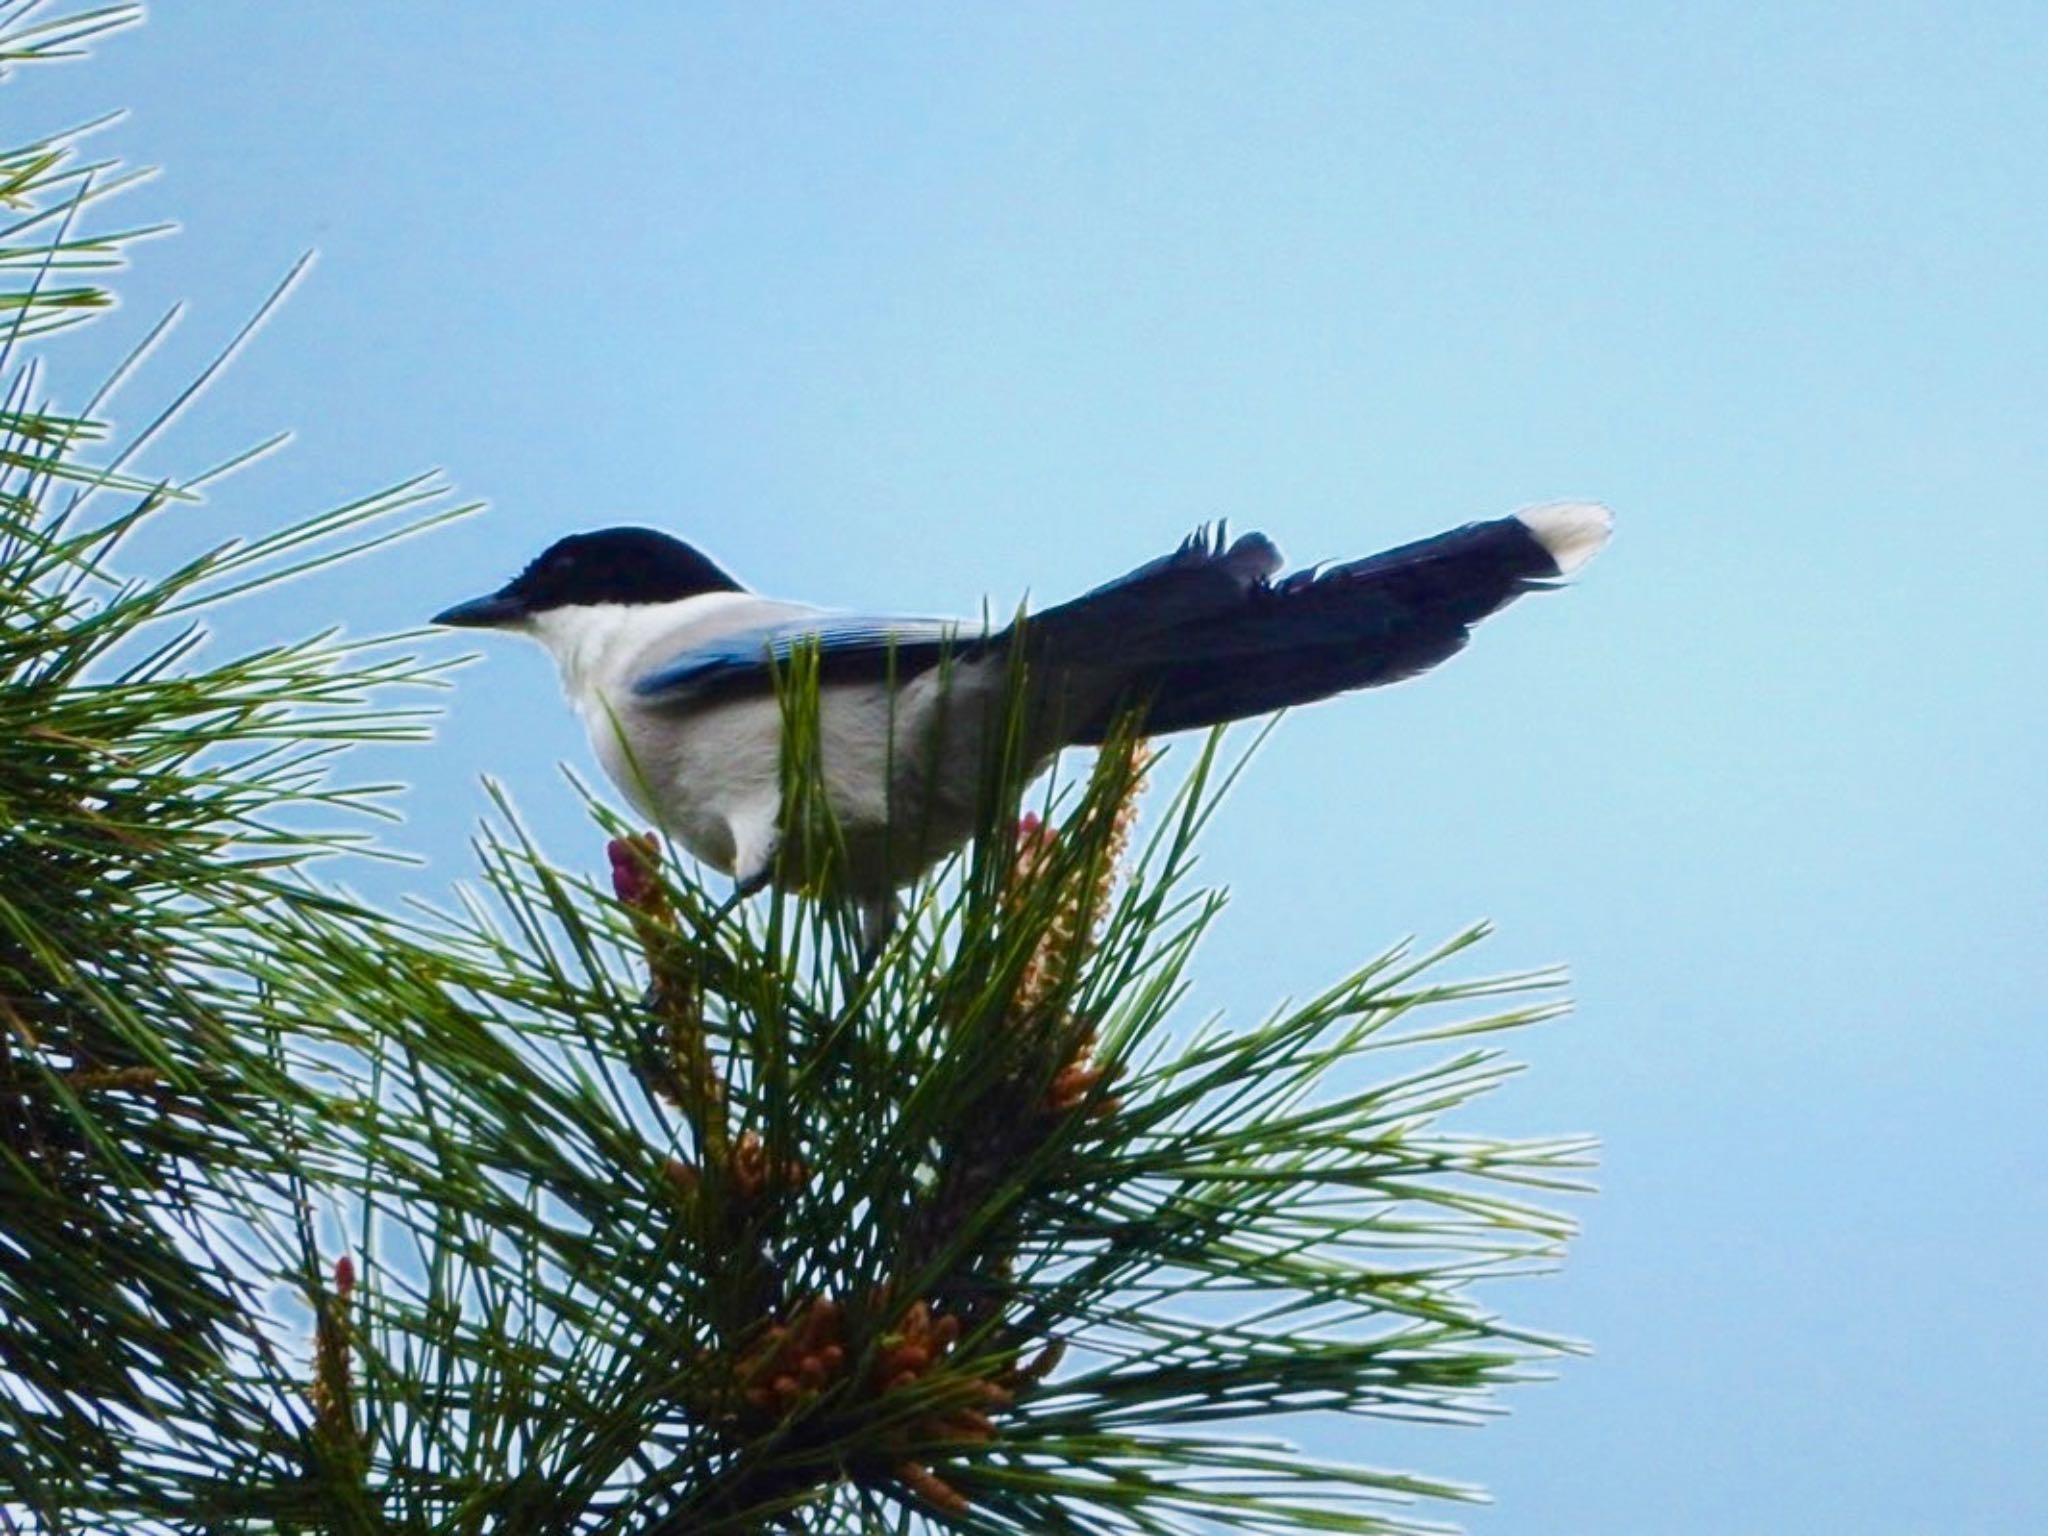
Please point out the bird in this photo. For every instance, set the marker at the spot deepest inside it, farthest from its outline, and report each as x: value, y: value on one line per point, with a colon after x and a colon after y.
x: 673, y: 667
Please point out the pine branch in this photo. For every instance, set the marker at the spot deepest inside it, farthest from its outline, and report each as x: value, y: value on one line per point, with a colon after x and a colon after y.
x: 148, y: 807
x: 844, y: 1273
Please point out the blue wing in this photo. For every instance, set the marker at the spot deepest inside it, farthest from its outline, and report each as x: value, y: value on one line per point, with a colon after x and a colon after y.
x: 850, y: 647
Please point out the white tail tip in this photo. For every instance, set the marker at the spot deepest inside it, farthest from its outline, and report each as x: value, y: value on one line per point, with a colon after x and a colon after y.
x: 1571, y: 531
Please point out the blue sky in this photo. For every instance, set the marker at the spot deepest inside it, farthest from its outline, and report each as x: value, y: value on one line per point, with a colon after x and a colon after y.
x: 900, y: 306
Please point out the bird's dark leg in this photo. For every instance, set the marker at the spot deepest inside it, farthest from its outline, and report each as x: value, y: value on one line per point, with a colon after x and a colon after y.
x: 877, y: 925
x: 877, y: 922
x: 751, y: 885
x: 654, y: 1069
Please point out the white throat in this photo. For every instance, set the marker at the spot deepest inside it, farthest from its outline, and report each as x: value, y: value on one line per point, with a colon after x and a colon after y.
x: 600, y: 646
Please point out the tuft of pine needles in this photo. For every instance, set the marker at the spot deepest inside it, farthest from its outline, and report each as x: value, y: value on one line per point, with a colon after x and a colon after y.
x: 583, y: 1204
x: 151, y: 809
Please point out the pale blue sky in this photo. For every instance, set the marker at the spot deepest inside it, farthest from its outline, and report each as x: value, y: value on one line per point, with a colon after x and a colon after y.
x: 898, y: 306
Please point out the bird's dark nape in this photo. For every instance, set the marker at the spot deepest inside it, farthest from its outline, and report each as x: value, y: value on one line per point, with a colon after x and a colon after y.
x: 1204, y: 636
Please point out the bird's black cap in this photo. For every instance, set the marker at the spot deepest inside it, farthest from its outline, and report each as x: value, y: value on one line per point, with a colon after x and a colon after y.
x: 610, y: 565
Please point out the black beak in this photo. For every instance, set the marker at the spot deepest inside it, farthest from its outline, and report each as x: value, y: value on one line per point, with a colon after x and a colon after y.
x: 493, y: 612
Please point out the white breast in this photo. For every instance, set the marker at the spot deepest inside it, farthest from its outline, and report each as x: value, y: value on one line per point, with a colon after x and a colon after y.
x: 710, y: 777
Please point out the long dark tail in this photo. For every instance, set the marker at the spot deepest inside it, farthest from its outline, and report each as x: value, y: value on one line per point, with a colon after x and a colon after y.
x: 1206, y: 635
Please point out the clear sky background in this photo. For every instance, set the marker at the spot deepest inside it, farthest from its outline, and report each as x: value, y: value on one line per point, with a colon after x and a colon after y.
x: 899, y: 306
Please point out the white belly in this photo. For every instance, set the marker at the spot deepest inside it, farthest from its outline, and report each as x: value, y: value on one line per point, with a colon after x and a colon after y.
x: 711, y: 777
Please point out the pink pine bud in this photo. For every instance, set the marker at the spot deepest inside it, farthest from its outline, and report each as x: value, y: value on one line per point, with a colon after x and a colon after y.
x: 632, y: 861
x: 344, y: 1276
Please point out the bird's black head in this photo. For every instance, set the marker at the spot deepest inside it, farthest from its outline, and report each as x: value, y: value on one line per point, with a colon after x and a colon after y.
x: 611, y: 565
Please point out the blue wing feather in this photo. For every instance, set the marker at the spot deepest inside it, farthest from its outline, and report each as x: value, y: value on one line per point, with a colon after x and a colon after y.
x: 848, y: 644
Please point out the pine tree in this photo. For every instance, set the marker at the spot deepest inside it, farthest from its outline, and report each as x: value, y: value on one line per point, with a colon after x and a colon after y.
x: 581, y: 1204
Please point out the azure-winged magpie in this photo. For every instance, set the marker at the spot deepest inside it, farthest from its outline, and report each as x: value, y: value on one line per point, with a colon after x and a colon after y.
x: 672, y: 664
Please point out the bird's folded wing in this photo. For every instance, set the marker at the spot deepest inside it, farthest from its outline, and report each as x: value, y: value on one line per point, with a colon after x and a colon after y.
x: 850, y: 647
